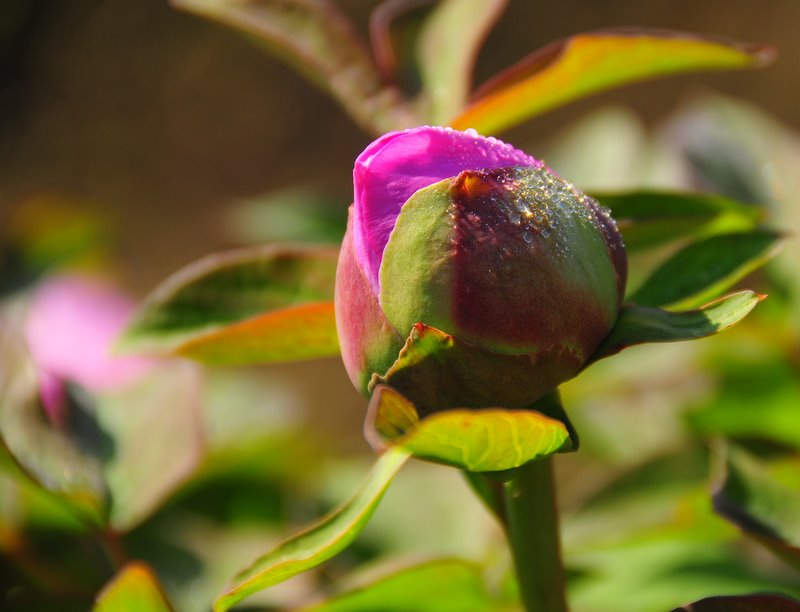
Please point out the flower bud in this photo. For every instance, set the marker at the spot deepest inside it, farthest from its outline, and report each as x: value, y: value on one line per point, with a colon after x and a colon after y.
x: 475, y: 239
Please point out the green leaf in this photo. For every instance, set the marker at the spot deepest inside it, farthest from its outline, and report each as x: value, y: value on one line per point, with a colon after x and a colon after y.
x: 317, y: 38
x: 642, y: 324
x: 155, y: 440
x: 134, y: 589
x: 704, y: 269
x: 448, y: 45
x: 65, y: 463
x: 478, y: 440
x: 319, y: 542
x: 747, y: 377
x: 762, y: 602
x: 649, y: 218
x: 253, y: 305
x: 443, y: 584
x: 762, y: 506
x: 593, y: 62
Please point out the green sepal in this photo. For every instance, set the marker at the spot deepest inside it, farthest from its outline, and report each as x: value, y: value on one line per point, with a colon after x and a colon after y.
x: 641, y: 324
x: 438, y: 372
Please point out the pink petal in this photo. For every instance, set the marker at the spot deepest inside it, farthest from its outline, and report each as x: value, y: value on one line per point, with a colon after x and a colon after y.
x: 71, y: 325
x: 398, y: 164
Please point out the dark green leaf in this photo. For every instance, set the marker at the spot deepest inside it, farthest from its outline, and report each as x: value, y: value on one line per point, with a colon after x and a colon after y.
x: 447, y: 584
x: 704, y: 269
x: 319, y: 542
x: 641, y: 324
x: 651, y: 218
x: 763, y: 602
x: 292, y: 215
x: 589, y: 63
x: 763, y: 507
x: 477, y: 440
x: 316, y: 37
x: 254, y: 305
x: 134, y: 589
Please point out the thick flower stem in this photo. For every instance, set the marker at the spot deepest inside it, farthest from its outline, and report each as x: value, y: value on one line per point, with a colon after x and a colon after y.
x: 532, y: 528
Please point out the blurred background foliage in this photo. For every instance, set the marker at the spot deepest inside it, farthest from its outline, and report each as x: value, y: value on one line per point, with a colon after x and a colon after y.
x: 135, y: 138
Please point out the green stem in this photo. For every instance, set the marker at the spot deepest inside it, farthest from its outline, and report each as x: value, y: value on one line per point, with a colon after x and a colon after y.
x: 532, y: 528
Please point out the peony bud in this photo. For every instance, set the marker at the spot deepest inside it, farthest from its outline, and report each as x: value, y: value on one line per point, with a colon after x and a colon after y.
x: 508, y: 262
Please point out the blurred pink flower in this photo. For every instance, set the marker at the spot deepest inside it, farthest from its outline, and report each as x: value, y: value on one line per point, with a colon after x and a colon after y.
x: 70, y: 329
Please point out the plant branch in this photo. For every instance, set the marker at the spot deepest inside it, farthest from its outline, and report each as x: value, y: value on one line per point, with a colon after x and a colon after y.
x: 532, y: 528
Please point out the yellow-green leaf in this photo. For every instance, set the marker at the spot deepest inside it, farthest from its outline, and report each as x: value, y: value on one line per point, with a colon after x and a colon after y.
x: 134, y: 589
x: 477, y: 440
x: 592, y: 62
x: 442, y: 584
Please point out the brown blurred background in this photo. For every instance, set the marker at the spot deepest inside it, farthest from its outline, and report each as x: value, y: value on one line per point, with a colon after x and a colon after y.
x: 161, y: 120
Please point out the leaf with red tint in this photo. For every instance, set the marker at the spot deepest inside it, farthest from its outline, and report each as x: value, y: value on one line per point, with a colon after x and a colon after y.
x: 254, y: 305
x: 317, y: 38
x: 593, y: 62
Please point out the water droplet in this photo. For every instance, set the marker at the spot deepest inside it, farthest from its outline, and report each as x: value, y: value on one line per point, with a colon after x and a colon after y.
x: 527, y: 237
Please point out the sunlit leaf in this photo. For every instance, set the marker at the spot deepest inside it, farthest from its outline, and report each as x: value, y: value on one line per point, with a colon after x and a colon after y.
x: 444, y: 584
x: 762, y: 602
x: 319, y: 39
x: 65, y: 462
x: 642, y: 324
x: 319, y: 542
x: 589, y: 63
x: 763, y: 507
x: 254, y: 305
x: 704, y: 269
x: 650, y: 218
x: 480, y: 440
x: 134, y: 589
x: 448, y: 45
